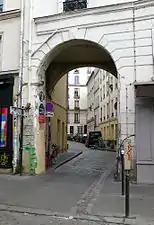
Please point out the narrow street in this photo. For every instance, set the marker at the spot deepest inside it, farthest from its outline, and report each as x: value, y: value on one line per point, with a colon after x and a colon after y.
x: 70, y: 190
x: 81, y: 192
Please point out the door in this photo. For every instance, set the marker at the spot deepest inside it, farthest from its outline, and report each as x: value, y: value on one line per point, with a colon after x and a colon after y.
x: 58, y: 132
x: 6, y: 131
x: 63, y: 136
x: 144, y: 135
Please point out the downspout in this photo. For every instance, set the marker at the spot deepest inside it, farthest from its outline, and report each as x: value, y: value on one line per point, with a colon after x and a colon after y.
x: 20, y: 85
x: 152, y: 53
x: 134, y: 44
x: 22, y: 31
x: 29, y: 50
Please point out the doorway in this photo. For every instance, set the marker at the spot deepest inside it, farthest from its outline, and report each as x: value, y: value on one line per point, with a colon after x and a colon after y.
x: 144, y: 139
x: 63, y: 136
x: 6, y: 127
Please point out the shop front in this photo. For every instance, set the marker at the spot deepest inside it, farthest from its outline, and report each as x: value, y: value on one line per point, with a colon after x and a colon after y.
x: 6, y: 132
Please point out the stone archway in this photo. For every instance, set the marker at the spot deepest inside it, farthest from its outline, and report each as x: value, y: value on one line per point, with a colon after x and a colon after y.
x: 55, y: 58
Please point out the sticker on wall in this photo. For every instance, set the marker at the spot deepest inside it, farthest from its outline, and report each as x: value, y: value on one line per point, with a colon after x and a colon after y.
x: 41, y: 109
x: 41, y: 119
x: 41, y: 96
x: 4, y: 123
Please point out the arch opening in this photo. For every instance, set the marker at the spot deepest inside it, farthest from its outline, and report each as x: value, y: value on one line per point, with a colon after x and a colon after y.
x: 56, y: 64
x: 73, y: 54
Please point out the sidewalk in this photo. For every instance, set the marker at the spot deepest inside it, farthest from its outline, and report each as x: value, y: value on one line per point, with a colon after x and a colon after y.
x: 111, y: 202
x: 65, y: 157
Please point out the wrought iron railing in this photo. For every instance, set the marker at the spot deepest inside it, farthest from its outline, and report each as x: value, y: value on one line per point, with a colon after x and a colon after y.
x: 77, y: 108
x: 71, y: 5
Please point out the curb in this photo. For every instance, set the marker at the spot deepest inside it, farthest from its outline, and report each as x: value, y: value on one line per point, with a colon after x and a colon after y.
x: 117, y: 220
x: 67, y: 160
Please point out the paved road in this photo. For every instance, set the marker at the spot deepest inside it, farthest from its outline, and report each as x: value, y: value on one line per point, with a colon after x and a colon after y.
x: 70, y: 190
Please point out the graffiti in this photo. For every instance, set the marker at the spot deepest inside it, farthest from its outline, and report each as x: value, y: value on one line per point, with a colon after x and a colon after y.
x: 4, y: 124
x: 15, y: 142
x: 32, y: 158
x: 4, y: 160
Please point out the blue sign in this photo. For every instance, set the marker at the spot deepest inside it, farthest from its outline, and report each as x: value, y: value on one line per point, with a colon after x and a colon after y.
x: 50, y: 107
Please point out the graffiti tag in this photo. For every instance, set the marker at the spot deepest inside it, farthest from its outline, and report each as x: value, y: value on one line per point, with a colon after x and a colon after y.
x: 4, y: 159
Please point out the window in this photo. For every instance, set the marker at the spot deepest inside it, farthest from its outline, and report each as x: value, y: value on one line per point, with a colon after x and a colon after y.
x: 1, y: 5
x: 68, y: 118
x: 76, y: 80
x: 80, y: 129
x: 76, y: 103
x: 71, y: 5
x: 104, y: 112
x: 116, y: 85
x: 108, y: 110
x: 68, y: 93
x: 101, y: 115
x: 71, y: 130
x: 76, y: 117
x: 112, y: 108
x: 76, y: 92
x: 103, y: 91
x: 111, y: 80
x: 103, y: 75
x: 76, y: 71
x: 101, y: 94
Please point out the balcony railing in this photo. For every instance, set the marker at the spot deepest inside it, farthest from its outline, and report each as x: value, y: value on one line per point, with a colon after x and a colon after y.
x: 71, y: 5
x: 76, y: 96
x: 77, y: 108
x: 76, y: 121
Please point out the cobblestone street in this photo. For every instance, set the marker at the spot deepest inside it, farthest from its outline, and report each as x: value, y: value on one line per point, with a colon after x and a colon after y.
x: 69, y: 189
x: 81, y: 192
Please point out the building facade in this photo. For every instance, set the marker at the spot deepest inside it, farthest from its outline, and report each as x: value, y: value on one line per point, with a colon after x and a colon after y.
x: 57, y: 37
x: 10, y: 20
x: 77, y: 100
x: 102, y: 101
x: 12, y: 48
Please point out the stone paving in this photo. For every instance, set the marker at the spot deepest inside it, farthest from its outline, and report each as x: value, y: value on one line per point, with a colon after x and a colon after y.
x: 81, y: 192
x: 69, y: 189
x: 111, y: 202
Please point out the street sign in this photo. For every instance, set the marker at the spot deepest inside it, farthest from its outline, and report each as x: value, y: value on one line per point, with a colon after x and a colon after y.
x: 50, y: 107
x: 127, y: 155
x: 50, y: 114
x: 15, y: 111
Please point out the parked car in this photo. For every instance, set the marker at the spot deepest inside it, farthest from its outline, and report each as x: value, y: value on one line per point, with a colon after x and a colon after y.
x: 83, y: 138
x: 70, y: 137
x: 77, y: 137
x: 95, y: 139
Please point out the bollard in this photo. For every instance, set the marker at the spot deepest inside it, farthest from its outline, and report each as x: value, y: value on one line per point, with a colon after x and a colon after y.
x: 127, y: 190
x: 122, y: 173
x: 21, y: 140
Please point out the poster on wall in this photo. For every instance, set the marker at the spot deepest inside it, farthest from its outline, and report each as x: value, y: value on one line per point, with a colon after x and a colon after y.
x: 3, y: 127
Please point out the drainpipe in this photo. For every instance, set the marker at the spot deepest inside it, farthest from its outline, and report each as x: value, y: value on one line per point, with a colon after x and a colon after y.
x: 152, y: 53
x: 21, y: 53
x: 29, y: 49
x: 20, y: 82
